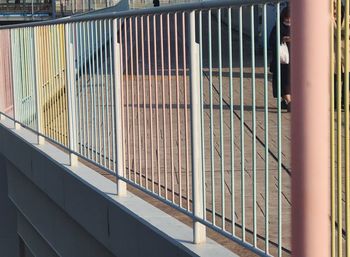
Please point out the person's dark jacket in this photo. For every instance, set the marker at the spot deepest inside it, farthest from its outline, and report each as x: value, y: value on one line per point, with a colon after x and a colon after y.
x: 284, y: 31
x: 156, y: 3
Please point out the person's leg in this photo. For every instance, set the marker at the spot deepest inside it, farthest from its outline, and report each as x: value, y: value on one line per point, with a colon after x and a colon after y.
x: 285, y: 85
x: 274, y: 85
x: 287, y: 98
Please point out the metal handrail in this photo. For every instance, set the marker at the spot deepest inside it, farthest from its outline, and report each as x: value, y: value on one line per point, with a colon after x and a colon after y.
x: 184, y: 7
x: 79, y: 108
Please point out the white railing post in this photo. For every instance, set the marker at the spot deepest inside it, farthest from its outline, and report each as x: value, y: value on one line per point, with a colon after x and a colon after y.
x: 41, y: 139
x: 199, y: 230
x: 14, y: 93
x: 121, y: 185
x: 14, y: 87
x: 70, y: 87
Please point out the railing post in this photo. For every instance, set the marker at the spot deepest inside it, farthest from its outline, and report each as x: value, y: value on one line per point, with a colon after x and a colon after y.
x: 14, y: 93
x: 199, y: 230
x: 70, y: 86
x: 121, y: 185
x: 311, y: 89
x: 41, y: 139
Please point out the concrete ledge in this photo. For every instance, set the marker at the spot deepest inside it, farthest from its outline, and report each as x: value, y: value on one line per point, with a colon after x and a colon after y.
x: 46, y: 190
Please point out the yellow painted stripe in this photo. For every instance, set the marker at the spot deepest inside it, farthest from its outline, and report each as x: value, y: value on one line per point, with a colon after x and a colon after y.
x: 51, y: 82
x: 64, y: 85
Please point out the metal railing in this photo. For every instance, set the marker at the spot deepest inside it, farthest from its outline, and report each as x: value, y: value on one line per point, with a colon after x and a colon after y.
x: 50, y: 8
x: 26, y: 9
x: 173, y: 101
x: 136, y: 4
x: 80, y: 6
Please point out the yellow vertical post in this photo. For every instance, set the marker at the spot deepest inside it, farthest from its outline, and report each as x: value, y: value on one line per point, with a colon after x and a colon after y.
x: 339, y: 128
x: 64, y: 98
x: 346, y: 105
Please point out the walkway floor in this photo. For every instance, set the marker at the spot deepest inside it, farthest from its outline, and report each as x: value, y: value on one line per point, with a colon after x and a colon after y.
x: 165, y: 159
x: 178, y: 135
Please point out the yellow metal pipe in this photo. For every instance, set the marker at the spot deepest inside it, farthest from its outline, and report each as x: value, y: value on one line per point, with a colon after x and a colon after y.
x: 57, y: 82
x: 55, y: 49
x: 38, y: 80
x: 339, y: 143
x: 60, y: 87
x: 44, y: 78
x: 346, y: 103
x: 64, y: 86
x: 52, y: 85
x: 45, y: 81
x: 41, y: 86
x: 48, y: 84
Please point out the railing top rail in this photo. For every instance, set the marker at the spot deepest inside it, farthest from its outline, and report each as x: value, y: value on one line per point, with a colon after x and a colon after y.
x: 149, y: 11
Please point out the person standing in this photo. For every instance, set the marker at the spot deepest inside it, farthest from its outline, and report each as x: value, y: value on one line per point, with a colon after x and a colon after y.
x: 285, y: 67
x: 156, y: 3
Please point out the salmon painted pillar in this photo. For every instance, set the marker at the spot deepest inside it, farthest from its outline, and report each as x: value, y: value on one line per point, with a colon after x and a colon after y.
x: 310, y: 61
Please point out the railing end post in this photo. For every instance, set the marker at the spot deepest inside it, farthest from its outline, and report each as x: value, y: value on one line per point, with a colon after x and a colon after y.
x: 199, y: 233
x: 17, y: 126
x: 199, y: 230
x: 72, y: 126
x: 121, y: 188
x: 41, y: 140
x: 119, y: 141
x: 73, y: 160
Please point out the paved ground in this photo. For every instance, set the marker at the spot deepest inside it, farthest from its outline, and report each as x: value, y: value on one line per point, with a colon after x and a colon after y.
x: 158, y: 150
x: 175, y: 107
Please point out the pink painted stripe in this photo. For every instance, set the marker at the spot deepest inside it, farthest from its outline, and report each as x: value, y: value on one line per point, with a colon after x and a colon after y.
x: 6, y: 99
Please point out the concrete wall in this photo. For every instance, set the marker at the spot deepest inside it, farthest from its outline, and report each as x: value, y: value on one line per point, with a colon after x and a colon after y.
x: 73, y: 211
x: 8, y: 218
x: 45, y: 228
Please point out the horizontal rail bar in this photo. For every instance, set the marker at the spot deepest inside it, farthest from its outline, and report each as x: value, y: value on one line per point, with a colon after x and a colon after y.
x: 186, y: 7
x: 144, y: 190
x: 85, y: 64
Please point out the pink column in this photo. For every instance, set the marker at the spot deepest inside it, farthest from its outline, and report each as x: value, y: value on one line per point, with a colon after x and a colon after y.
x: 311, y: 127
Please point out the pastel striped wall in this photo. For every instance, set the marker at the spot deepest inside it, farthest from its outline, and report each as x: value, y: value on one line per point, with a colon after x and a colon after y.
x: 51, y: 81
x: 6, y: 98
